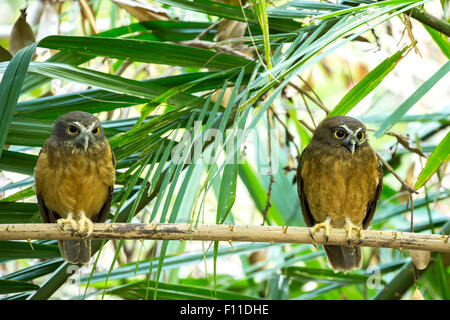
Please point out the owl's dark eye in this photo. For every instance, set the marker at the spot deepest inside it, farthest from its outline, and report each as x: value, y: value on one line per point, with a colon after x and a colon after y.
x: 96, y: 131
x: 339, y: 133
x: 71, y: 129
x: 360, y: 135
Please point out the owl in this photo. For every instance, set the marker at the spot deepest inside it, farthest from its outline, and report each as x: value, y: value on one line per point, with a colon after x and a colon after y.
x: 74, y: 180
x: 339, y: 182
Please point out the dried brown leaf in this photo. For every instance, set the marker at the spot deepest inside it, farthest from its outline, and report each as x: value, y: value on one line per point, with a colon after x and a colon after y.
x: 230, y: 29
x: 257, y: 257
x: 420, y: 258
x: 4, y: 54
x: 143, y: 11
x: 21, y: 34
x: 417, y: 295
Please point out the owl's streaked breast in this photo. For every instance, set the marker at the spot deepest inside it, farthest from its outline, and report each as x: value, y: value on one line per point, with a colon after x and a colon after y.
x: 74, y: 181
x: 341, y: 182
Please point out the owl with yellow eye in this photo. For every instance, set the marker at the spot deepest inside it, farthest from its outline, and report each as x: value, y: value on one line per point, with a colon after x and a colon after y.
x: 339, y: 182
x: 74, y: 179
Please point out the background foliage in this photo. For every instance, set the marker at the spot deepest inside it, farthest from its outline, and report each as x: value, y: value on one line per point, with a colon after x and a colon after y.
x: 262, y: 76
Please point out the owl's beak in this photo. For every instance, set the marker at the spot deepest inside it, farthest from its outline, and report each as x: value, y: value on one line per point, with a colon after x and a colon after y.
x: 83, y: 140
x: 350, y: 144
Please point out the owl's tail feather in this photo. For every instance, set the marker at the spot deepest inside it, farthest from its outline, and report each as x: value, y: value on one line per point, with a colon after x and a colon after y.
x: 75, y: 251
x: 342, y: 258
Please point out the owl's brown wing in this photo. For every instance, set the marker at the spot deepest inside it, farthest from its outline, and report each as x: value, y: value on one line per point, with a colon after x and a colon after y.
x: 46, y: 214
x: 306, y: 212
x: 371, y: 207
x: 102, y: 216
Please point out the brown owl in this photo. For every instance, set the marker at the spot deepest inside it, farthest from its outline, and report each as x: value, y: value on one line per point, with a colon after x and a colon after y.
x: 74, y: 180
x: 339, y: 181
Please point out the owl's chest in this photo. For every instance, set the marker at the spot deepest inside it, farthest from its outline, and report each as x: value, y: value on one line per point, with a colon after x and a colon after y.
x: 74, y: 183
x: 340, y: 185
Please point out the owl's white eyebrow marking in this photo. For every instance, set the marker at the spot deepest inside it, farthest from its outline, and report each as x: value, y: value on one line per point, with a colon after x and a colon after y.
x: 92, y: 126
x: 353, y: 133
x: 78, y: 124
x: 83, y: 128
x: 347, y: 128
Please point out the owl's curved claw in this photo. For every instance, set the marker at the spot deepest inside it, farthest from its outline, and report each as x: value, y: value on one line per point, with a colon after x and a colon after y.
x: 311, y: 235
x: 349, y: 227
x: 67, y: 224
x: 85, y: 226
x: 324, y: 225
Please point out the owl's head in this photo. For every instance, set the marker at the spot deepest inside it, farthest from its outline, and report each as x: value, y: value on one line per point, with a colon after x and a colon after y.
x: 341, y: 132
x: 79, y: 129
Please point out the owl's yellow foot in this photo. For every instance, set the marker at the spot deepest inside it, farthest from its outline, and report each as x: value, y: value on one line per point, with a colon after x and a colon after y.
x: 85, y: 225
x: 324, y: 225
x: 67, y: 224
x: 349, y: 227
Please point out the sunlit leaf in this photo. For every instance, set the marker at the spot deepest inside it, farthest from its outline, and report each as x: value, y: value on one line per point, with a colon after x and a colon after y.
x: 437, y: 157
x: 412, y: 100
x: 366, y: 85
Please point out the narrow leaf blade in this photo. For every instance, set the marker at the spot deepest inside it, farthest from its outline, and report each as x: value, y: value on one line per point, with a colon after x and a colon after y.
x: 366, y: 85
x: 437, y: 157
x: 10, y: 88
x: 412, y: 100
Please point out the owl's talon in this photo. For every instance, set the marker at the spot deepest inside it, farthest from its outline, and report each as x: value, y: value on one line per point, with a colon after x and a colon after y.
x: 324, y: 225
x: 349, y: 227
x: 85, y: 226
x: 311, y: 235
x: 67, y: 224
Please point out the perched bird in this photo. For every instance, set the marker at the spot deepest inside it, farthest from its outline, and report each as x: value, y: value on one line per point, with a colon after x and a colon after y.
x: 339, y: 182
x: 74, y: 179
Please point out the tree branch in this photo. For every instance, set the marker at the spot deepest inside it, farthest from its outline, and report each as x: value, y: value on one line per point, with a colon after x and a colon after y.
x: 205, y: 32
x: 138, y: 231
x: 317, y: 101
x: 391, y: 170
x: 272, y: 180
x: 404, y: 142
x: 403, y: 280
x: 202, y: 44
x: 430, y: 20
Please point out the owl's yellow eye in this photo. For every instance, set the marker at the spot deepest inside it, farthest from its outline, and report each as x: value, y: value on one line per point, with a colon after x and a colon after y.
x: 71, y: 129
x: 96, y: 131
x: 339, y: 133
x: 360, y: 135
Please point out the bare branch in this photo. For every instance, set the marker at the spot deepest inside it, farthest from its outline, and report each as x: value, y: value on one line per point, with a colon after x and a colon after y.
x: 317, y: 100
x: 431, y: 21
x: 138, y: 231
x: 289, y: 136
x: 205, y: 32
x: 391, y: 170
x: 307, y: 126
x: 272, y: 180
x: 213, y: 45
x: 403, y: 141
